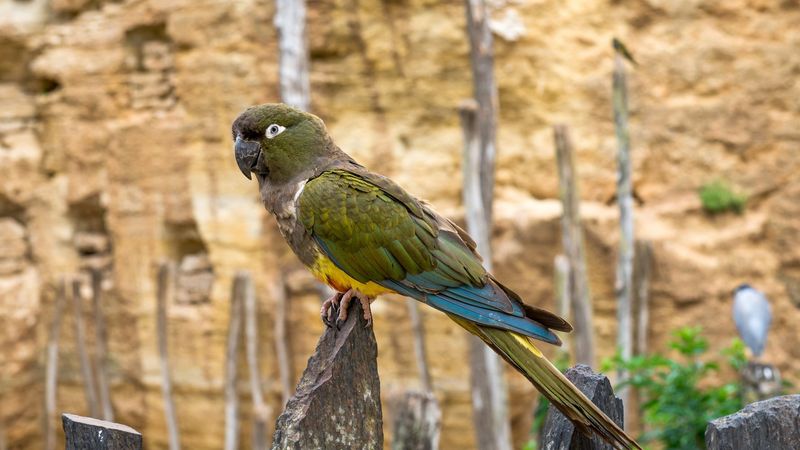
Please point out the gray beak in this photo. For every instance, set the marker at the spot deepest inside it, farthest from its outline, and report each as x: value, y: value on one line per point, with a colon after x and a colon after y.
x: 247, y: 153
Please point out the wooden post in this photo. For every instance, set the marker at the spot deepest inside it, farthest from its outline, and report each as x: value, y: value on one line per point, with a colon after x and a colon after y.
x: 337, y: 404
x: 89, y: 387
x: 489, y: 396
x: 481, y: 54
x: 163, y: 286
x: 290, y: 20
x: 231, y: 353
x: 417, y: 422
x: 86, y: 433
x: 559, y: 433
x: 624, y: 279
x: 562, y: 293
x: 572, y: 236
x: 282, y: 339
x: 261, y: 411
x: 772, y: 424
x: 101, y: 346
x: 51, y: 367
x: 418, y: 329
x: 642, y: 271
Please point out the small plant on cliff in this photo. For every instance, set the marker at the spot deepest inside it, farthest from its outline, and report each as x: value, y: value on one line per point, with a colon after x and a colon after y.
x: 718, y: 197
x: 677, y: 396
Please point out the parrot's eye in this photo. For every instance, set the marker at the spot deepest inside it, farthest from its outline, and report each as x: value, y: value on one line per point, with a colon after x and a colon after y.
x: 274, y: 130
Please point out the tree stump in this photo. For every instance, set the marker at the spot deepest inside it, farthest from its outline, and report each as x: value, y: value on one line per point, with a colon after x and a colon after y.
x: 337, y: 403
x: 417, y: 422
x: 85, y: 433
x: 766, y: 425
x: 559, y: 433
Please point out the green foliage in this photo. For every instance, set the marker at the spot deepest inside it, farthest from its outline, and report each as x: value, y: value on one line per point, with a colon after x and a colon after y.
x: 677, y: 398
x: 717, y: 197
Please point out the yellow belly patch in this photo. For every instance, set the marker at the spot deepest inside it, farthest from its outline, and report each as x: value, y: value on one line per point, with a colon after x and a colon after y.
x: 326, y: 271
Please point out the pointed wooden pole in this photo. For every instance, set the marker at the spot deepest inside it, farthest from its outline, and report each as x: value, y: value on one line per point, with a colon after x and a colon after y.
x: 51, y: 367
x: 101, y: 346
x: 89, y: 388
x: 231, y: 357
x: 163, y: 289
x: 282, y: 339
x: 642, y: 271
x: 418, y: 329
x: 624, y: 279
x: 290, y: 20
x: 261, y: 412
x: 572, y: 236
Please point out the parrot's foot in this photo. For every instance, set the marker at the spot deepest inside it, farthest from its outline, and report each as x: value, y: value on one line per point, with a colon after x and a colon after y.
x: 345, y: 304
x: 328, y: 308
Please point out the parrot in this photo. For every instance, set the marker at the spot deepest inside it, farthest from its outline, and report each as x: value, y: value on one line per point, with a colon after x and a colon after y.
x: 752, y: 315
x: 364, y: 235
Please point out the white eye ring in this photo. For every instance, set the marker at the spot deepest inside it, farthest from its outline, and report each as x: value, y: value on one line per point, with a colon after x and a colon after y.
x: 273, y: 130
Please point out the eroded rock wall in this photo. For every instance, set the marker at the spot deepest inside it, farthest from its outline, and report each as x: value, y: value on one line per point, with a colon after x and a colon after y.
x: 115, y: 153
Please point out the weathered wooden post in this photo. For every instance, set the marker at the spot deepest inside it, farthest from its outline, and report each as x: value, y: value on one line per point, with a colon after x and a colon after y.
x: 489, y: 396
x: 101, y: 346
x: 337, y: 403
x: 231, y: 359
x: 89, y: 388
x: 261, y: 411
x: 86, y: 433
x: 163, y: 289
x: 772, y: 424
x: 572, y: 237
x: 51, y: 367
x: 417, y: 422
x: 559, y: 433
x: 290, y: 20
x: 282, y: 338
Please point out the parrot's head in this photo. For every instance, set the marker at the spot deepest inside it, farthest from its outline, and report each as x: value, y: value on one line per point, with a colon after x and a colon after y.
x: 277, y: 142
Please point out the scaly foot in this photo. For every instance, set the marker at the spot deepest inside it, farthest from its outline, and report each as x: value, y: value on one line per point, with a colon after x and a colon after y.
x: 329, y: 307
x: 345, y: 303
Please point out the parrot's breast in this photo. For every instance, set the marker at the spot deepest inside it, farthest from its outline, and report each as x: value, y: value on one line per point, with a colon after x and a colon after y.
x: 326, y: 271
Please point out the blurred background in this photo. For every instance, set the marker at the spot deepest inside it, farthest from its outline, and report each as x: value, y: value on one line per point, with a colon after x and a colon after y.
x: 116, y: 155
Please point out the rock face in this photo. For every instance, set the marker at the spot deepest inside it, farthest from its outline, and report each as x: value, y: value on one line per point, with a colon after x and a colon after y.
x: 772, y: 424
x: 115, y: 153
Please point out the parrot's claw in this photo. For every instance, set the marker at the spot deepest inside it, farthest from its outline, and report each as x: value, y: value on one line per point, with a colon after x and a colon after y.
x: 341, y: 302
x: 329, y: 307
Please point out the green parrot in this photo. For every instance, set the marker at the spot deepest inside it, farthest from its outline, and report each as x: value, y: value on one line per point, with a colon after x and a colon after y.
x: 364, y: 235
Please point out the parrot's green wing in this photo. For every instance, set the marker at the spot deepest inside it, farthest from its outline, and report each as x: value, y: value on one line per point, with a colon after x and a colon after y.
x: 376, y: 232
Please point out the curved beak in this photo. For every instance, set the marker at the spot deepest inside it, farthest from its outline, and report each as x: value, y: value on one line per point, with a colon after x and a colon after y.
x: 247, y: 153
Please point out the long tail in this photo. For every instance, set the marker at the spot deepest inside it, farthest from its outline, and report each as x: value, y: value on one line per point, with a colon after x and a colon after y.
x: 520, y: 352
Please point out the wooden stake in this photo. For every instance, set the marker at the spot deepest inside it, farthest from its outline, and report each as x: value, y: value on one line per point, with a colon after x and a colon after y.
x: 101, y: 349
x: 164, y: 282
x: 572, y: 236
x: 89, y: 387
x: 231, y: 353
x: 418, y: 328
x: 51, y: 367
x: 624, y: 279
x: 562, y: 291
x: 282, y: 339
x: 642, y: 271
x: 290, y: 20
x: 261, y: 411
x: 489, y: 395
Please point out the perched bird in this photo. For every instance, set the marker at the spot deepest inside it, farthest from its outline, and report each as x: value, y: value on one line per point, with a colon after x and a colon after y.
x: 752, y: 315
x: 620, y: 48
x: 364, y: 235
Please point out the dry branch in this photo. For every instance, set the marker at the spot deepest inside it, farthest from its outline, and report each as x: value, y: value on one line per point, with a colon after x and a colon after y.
x: 290, y: 20
x: 261, y: 411
x: 231, y: 353
x: 337, y: 404
x: 418, y: 330
x: 51, y: 367
x: 282, y: 339
x: 572, y: 236
x: 489, y: 396
x: 624, y: 279
x: 164, y: 281
x: 101, y: 346
x: 89, y: 388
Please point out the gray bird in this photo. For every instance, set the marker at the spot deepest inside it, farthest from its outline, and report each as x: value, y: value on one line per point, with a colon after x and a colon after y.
x: 753, y: 316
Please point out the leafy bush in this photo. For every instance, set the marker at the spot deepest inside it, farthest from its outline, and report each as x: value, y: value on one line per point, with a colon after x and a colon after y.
x: 677, y: 398
x: 717, y: 197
